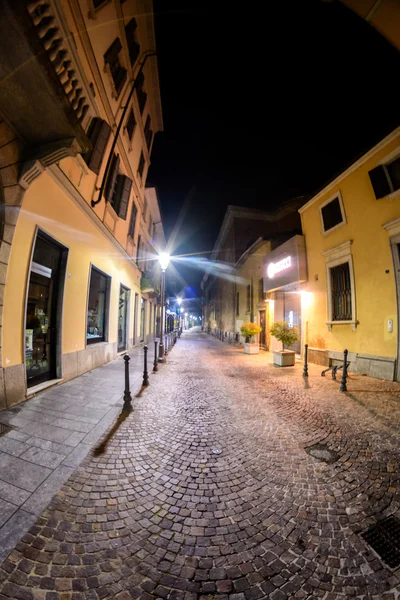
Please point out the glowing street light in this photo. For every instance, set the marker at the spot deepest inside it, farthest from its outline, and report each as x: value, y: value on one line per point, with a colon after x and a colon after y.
x: 164, y: 262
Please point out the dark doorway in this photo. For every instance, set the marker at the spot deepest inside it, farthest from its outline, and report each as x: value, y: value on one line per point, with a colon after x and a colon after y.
x: 263, y: 337
x: 44, y: 311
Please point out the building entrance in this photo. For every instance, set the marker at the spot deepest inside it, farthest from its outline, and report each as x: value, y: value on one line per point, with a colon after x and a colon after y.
x: 292, y: 312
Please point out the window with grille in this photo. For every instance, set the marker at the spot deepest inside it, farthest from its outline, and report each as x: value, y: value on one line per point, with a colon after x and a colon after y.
x: 341, y: 292
x: 130, y: 124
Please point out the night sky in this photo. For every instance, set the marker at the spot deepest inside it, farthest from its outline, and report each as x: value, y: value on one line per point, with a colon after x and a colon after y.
x: 259, y: 107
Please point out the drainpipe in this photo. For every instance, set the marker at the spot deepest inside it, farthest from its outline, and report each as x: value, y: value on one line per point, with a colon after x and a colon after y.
x: 103, y: 183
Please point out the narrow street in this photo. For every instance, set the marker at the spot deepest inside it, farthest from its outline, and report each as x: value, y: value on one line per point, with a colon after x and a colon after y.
x: 206, y: 490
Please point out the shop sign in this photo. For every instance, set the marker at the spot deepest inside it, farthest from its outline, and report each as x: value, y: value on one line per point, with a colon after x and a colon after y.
x: 285, y: 265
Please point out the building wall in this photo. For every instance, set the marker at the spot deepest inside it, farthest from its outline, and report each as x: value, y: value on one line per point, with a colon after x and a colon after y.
x: 384, y: 15
x: 375, y: 289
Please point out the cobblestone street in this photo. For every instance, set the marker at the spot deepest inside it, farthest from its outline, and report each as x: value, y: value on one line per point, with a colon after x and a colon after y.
x: 206, y: 490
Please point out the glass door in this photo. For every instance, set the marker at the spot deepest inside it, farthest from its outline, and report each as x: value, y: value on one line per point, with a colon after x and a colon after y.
x: 122, y: 318
x: 43, y: 312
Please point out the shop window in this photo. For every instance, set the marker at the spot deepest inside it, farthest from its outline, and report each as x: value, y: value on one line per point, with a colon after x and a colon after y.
x: 332, y: 214
x: 112, y: 178
x: 120, y: 198
x: 117, y: 71
x: 132, y: 222
x: 341, y: 286
x: 385, y: 178
x: 140, y: 171
x: 98, y: 133
x: 133, y: 46
x: 148, y: 132
x: 130, y: 124
x: 98, y: 304
x: 141, y: 94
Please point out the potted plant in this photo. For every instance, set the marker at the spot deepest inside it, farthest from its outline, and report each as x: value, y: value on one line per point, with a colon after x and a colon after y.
x: 249, y: 330
x: 288, y: 336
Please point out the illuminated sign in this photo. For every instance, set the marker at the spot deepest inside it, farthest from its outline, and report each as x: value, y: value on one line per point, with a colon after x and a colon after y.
x: 282, y: 265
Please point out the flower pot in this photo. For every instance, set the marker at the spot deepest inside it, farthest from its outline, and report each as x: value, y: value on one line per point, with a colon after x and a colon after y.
x: 251, y: 348
x: 284, y: 358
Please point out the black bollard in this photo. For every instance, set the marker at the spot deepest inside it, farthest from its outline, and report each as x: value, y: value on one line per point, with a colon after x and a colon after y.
x: 155, y: 364
x: 305, y: 369
x: 343, y: 386
x: 127, y: 393
x: 145, y: 373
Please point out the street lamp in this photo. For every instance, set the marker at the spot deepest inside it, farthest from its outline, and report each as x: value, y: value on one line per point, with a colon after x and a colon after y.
x: 164, y: 262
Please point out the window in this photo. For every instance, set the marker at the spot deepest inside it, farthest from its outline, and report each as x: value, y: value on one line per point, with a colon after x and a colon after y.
x: 118, y: 72
x: 148, y: 132
x: 138, y: 249
x: 132, y: 222
x: 385, y: 179
x: 261, y: 290
x: 98, y: 133
x: 112, y: 178
x: 133, y: 46
x: 120, y: 198
x: 341, y: 292
x: 97, y: 312
x: 141, y: 168
x: 130, y: 124
x: 141, y: 94
x: 237, y: 304
x: 341, y: 287
x: 150, y: 225
x: 332, y: 214
x: 248, y: 298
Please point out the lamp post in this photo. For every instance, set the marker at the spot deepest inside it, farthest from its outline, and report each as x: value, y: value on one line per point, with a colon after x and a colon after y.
x: 164, y: 262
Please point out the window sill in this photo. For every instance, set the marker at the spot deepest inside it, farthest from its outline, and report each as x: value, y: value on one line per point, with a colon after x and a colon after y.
x: 352, y: 323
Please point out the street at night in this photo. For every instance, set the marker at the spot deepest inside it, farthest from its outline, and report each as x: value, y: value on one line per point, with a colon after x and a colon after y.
x: 208, y: 489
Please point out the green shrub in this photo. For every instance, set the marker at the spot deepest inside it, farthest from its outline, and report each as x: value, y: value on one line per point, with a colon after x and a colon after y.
x: 285, y: 334
x: 249, y: 330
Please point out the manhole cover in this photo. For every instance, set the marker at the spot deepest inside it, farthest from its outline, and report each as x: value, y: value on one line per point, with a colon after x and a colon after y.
x: 322, y: 452
x: 4, y: 428
x: 216, y: 451
x: 384, y: 538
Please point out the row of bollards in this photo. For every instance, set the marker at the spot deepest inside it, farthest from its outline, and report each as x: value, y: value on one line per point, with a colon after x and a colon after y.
x: 169, y: 342
x: 343, y: 382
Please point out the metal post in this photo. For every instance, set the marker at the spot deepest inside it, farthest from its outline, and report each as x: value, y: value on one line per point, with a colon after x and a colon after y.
x: 305, y: 369
x: 155, y: 364
x: 161, y: 346
x: 343, y: 386
x: 145, y: 373
x: 127, y: 392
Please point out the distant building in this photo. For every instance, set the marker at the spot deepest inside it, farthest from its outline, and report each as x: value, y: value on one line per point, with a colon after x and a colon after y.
x: 77, y: 226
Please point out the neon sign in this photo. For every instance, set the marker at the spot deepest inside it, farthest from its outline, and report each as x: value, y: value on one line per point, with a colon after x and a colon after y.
x: 282, y: 265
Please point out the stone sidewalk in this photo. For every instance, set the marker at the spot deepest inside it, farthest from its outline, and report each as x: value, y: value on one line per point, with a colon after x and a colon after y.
x: 52, y: 433
x: 209, y: 490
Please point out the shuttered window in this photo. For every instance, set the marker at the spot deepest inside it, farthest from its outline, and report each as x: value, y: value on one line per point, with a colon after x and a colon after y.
x: 331, y: 214
x: 112, y: 178
x: 130, y: 124
x: 132, y: 222
x: 341, y: 292
x: 118, y: 72
x: 120, y: 199
x: 98, y: 134
x: 141, y: 94
x: 133, y: 46
x: 385, y: 179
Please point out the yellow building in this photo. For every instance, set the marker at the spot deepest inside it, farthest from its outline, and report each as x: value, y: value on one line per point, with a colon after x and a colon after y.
x: 79, y: 107
x: 352, y: 236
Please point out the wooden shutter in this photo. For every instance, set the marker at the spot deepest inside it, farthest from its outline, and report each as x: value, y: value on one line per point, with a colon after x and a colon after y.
x: 380, y: 182
x: 134, y: 47
x: 112, y: 178
x: 113, y: 51
x: 99, y: 134
x: 132, y: 221
x: 124, y: 185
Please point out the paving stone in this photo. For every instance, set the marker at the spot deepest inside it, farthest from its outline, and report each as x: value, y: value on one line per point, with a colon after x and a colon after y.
x: 45, y: 458
x: 22, y: 473
x: 13, y: 494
